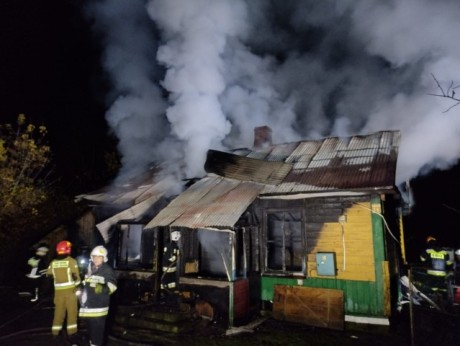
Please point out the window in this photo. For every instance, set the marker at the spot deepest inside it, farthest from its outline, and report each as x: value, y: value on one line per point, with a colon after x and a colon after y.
x: 284, y: 245
x: 129, y: 249
x: 216, y: 253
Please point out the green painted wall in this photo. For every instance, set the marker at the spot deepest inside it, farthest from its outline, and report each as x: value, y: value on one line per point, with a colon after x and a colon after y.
x: 360, y: 297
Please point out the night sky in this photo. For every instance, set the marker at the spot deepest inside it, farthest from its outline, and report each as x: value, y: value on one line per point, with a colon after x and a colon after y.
x: 51, y: 70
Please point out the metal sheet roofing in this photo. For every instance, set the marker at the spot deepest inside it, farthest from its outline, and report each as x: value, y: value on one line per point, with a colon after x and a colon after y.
x: 128, y: 214
x: 234, y: 181
x: 246, y: 168
x: 211, y: 202
x: 362, y: 162
x: 131, y: 192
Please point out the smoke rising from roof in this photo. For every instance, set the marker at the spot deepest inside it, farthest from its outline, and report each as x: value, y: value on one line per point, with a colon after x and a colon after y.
x: 307, y: 69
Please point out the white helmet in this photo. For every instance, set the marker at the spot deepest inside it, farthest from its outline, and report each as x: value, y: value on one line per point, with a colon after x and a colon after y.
x: 100, y: 251
x: 457, y: 252
x: 175, y: 235
x: 42, y: 251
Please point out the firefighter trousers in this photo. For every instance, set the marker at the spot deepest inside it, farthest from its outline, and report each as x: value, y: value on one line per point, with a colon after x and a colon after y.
x: 96, y: 329
x: 65, y: 305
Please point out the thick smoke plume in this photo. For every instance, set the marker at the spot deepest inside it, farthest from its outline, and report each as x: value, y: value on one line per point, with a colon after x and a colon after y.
x: 189, y: 75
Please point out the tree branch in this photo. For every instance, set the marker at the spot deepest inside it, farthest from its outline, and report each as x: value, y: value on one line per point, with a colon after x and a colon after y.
x: 449, y: 93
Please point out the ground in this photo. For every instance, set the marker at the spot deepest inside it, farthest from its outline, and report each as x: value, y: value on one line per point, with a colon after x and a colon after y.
x: 26, y: 323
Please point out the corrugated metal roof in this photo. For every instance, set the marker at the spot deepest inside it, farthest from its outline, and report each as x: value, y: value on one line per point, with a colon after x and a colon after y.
x: 330, y: 164
x: 131, y: 192
x: 246, y: 168
x: 128, y: 214
x: 211, y: 202
x: 364, y: 162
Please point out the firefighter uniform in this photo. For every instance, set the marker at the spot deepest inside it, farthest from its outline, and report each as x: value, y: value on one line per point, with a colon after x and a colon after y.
x: 170, y: 255
x: 64, y: 270
x: 439, y: 263
x: 38, y: 267
x: 99, y: 283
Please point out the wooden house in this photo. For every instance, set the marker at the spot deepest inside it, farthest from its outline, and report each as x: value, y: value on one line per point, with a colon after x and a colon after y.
x: 308, y: 231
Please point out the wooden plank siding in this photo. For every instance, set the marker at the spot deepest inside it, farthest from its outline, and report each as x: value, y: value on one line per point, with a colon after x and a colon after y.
x: 352, y: 241
x: 364, y: 276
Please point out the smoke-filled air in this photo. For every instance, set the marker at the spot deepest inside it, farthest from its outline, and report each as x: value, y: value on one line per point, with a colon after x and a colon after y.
x: 193, y: 75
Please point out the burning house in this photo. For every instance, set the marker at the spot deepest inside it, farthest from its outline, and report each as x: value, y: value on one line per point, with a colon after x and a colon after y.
x: 307, y: 231
x: 116, y: 218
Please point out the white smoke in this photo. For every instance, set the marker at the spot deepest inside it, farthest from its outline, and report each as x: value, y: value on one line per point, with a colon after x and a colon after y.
x: 307, y: 69
x: 136, y: 113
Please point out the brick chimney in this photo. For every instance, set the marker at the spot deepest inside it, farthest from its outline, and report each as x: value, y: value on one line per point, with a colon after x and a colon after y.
x: 262, y: 136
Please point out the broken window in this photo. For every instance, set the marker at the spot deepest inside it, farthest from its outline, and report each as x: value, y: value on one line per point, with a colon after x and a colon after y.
x: 217, y: 253
x: 129, y: 248
x: 284, y: 245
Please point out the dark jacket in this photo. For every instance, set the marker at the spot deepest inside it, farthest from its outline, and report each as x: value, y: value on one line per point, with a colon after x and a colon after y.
x: 99, y: 284
x: 438, y: 260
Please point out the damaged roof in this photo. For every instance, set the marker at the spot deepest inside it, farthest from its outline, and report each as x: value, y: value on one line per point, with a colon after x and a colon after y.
x: 234, y: 181
x: 130, y: 192
x: 213, y: 201
x: 364, y: 162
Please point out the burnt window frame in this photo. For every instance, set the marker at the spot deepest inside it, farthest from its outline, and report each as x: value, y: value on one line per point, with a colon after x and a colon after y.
x: 121, y: 262
x: 284, y: 271
x: 236, y: 255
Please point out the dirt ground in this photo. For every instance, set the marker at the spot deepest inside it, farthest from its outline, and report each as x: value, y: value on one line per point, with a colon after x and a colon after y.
x: 25, y: 323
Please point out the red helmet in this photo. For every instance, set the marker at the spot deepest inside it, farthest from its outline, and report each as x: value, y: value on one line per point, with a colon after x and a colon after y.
x: 64, y: 247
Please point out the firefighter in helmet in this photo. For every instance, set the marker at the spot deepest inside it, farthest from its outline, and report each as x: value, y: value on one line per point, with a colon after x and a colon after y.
x: 169, y: 265
x: 38, y: 266
x: 64, y: 270
x: 99, y: 283
x: 439, y: 264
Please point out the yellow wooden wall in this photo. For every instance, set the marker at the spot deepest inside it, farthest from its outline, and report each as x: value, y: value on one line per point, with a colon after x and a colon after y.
x: 355, y: 234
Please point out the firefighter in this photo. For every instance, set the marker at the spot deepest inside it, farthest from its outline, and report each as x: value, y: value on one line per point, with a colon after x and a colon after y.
x: 64, y: 270
x: 38, y: 267
x: 439, y: 264
x: 169, y: 266
x: 99, y: 283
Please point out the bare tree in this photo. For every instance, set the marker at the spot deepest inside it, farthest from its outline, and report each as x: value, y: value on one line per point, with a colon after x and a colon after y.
x: 447, y: 93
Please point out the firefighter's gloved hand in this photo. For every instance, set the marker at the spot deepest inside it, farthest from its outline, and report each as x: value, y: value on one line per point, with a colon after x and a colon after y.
x: 112, y: 287
x: 78, y: 291
x: 98, y: 288
x: 99, y: 279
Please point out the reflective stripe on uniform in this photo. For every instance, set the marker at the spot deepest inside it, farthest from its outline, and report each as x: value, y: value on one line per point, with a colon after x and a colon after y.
x: 168, y: 285
x: 64, y: 285
x: 70, y: 283
x: 436, y: 272
x: 93, y: 312
x: 56, y: 328
x: 72, y: 327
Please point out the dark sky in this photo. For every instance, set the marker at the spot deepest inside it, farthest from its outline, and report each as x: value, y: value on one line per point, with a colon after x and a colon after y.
x: 50, y: 70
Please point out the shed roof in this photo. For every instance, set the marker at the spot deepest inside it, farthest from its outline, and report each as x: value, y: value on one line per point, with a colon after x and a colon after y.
x: 131, y: 192
x: 211, y: 202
